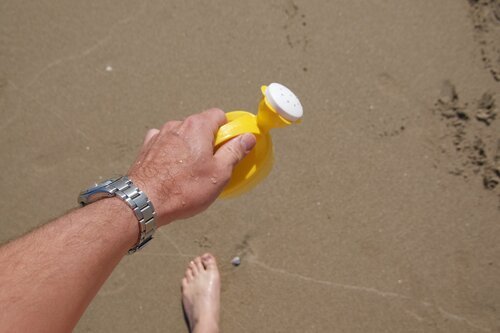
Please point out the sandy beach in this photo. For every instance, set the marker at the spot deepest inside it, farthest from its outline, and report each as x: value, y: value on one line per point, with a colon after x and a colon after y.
x: 382, y: 212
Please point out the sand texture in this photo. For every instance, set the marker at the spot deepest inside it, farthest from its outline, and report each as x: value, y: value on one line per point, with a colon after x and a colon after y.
x: 382, y: 212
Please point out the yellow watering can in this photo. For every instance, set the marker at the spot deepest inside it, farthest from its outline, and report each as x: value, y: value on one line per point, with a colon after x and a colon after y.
x: 279, y: 107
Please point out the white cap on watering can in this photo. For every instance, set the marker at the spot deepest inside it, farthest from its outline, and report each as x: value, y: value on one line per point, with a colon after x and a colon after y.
x: 284, y: 101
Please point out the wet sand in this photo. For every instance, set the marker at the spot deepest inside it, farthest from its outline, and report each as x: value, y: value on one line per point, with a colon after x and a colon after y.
x: 382, y: 211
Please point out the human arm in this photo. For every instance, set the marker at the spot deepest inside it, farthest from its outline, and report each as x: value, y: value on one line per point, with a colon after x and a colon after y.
x: 50, y: 275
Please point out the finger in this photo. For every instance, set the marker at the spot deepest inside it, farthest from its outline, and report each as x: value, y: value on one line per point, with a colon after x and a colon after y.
x: 171, y: 126
x: 150, y: 135
x: 201, y: 128
x: 214, y: 119
x: 206, y: 123
x: 235, y: 150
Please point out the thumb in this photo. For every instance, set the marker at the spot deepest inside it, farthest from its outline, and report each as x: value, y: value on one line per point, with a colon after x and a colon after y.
x: 235, y: 150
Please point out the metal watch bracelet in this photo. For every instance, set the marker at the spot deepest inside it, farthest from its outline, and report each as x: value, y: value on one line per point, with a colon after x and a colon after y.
x: 142, y: 207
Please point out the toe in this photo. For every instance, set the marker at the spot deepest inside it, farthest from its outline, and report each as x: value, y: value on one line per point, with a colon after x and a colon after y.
x: 184, y: 283
x: 192, y: 266
x: 189, y: 274
x: 199, y: 264
x: 209, y: 261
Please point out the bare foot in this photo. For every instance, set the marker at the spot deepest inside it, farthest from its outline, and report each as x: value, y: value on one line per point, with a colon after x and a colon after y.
x: 201, y: 294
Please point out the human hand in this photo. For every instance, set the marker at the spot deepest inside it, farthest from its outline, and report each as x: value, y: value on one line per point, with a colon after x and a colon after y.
x: 178, y: 169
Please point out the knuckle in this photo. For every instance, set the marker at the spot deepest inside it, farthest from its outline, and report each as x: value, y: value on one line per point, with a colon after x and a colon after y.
x: 215, y: 115
x: 190, y: 122
x: 216, y: 112
x: 192, y: 119
x: 170, y: 125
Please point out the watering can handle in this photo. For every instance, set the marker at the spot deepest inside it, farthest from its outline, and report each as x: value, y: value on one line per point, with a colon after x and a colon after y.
x: 239, y: 122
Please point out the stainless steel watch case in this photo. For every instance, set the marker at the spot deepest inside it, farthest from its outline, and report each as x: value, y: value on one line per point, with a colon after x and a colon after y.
x: 97, y: 192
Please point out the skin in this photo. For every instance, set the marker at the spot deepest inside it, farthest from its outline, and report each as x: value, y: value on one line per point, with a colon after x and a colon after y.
x: 201, y: 294
x: 50, y: 275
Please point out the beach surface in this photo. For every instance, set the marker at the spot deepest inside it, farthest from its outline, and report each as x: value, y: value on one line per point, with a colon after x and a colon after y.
x: 382, y: 212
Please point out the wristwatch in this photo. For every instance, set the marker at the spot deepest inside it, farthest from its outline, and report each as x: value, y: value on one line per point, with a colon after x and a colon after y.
x: 123, y: 188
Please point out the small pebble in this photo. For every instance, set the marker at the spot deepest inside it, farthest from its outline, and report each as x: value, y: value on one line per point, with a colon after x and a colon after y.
x: 236, y: 261
x: 109, y: 68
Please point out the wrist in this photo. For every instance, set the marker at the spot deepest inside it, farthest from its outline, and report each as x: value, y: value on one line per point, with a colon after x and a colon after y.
x: 138, y: 202
x: 165, y: 209
x: 117, y: 220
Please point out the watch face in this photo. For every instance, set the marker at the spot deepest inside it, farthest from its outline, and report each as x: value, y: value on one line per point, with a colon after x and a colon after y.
x: 96, y: 192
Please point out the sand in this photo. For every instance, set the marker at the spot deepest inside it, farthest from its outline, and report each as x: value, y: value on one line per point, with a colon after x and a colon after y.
x: 382, y: 211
